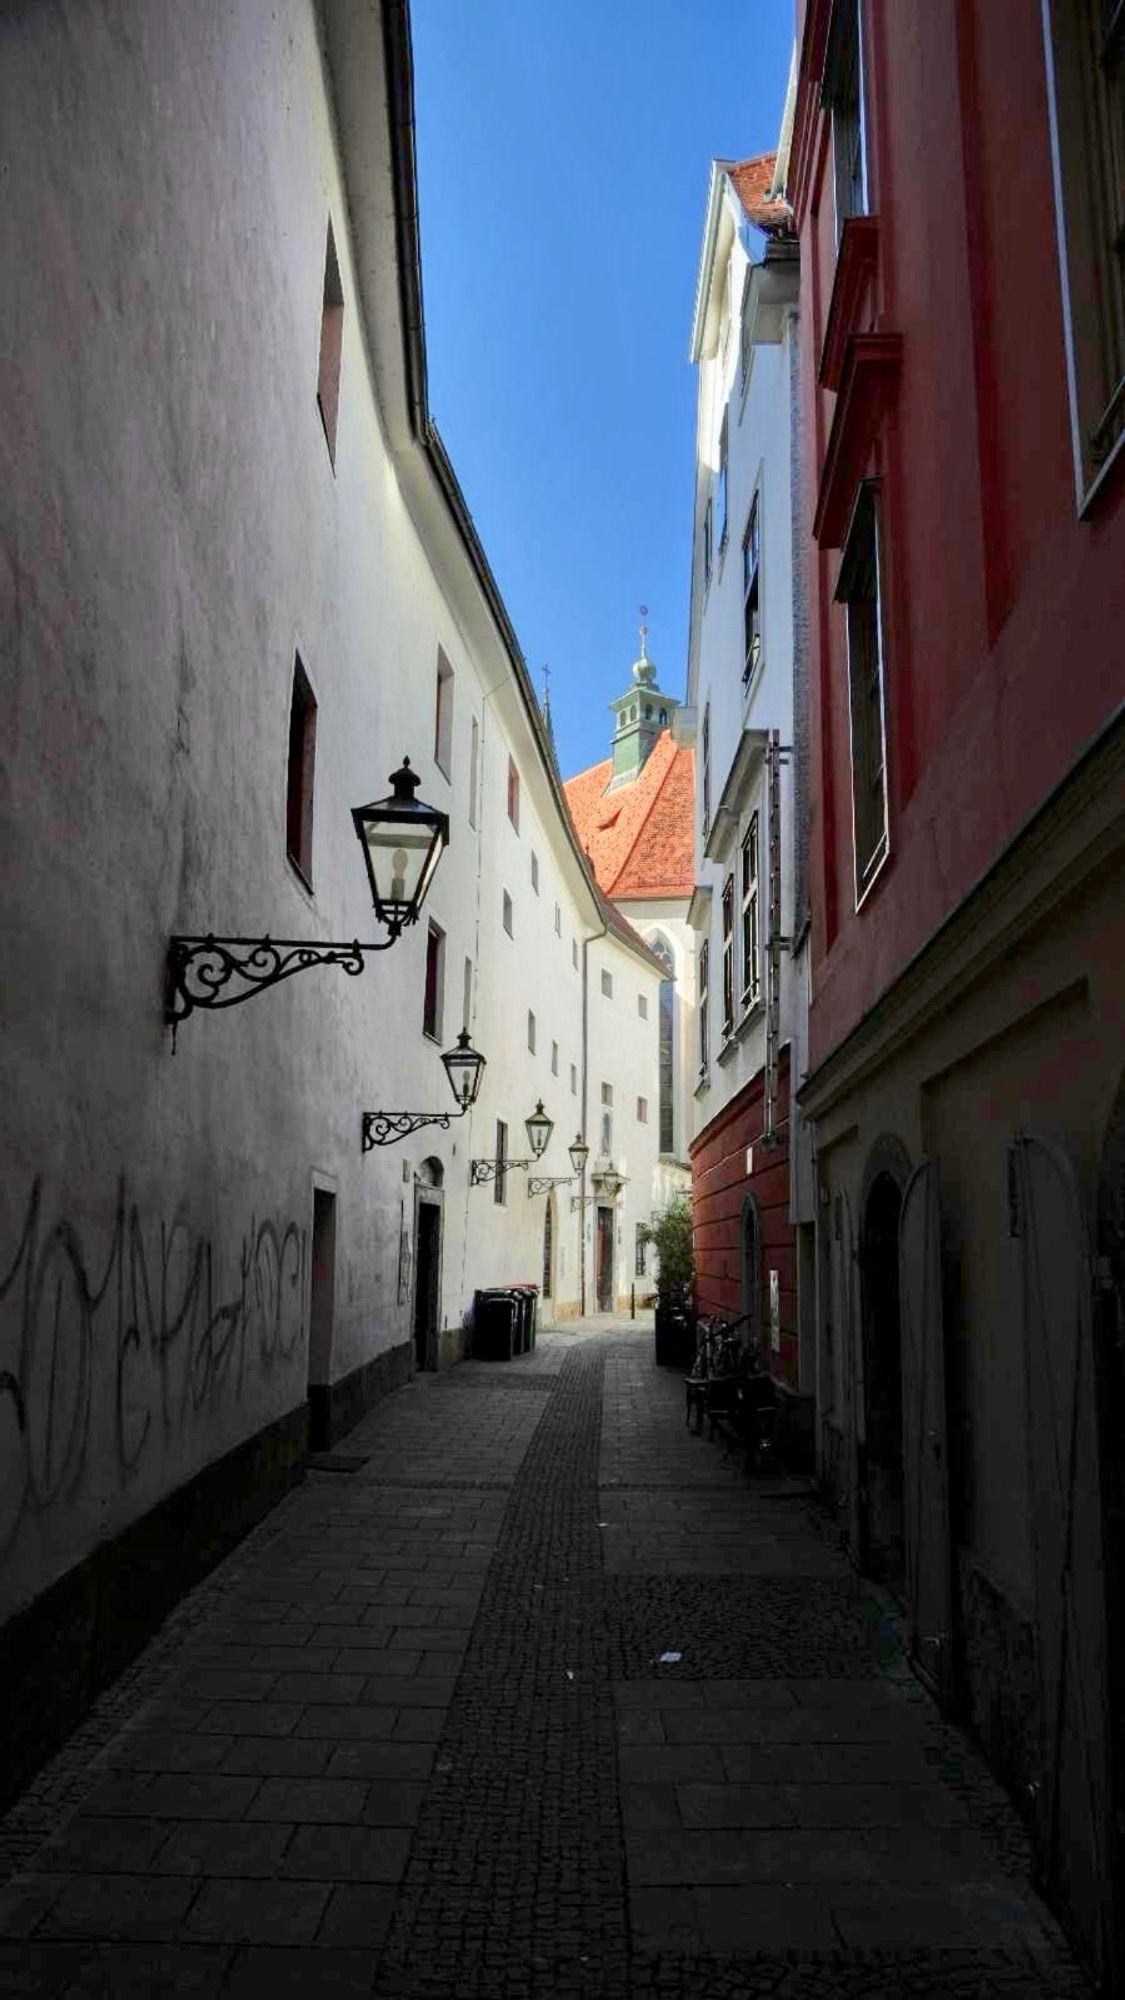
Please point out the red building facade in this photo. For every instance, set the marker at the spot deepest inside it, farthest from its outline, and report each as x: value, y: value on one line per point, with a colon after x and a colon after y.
x: 957, y: 173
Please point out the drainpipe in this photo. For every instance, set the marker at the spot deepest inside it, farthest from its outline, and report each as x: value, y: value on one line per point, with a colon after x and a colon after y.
x: 586, y: 943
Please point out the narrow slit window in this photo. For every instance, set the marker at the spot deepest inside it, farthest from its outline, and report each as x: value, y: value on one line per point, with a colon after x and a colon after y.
x: 858, y: 591
x: 302, y: 761
x: 513, y: 795
x: 607, y: 985
x: 751, y: 616
x: 443, y: 716
x: 435, y: 970
x: 554, y: 1058
x: 506, y: 913
x: 331, y: 346
x: 500, y: 1182
x: 531, y: 1031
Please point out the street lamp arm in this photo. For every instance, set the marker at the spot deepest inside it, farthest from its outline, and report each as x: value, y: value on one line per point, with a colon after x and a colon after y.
x: 385, y: 1128
x: 201, y: 968
x: 542, y: 1183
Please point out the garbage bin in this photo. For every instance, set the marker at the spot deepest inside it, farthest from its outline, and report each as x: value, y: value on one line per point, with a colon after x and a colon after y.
x: 529, y: 1295
x: 495, y: 1324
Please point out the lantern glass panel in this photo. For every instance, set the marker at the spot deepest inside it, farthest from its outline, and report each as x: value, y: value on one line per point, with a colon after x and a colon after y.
x: 539, y: 1130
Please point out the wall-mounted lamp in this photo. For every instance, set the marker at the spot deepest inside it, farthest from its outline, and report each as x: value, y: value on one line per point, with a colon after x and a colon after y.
x: 402, y: 839
x: 540, y: 1183
x: 539, y: 1129
x: 606, y: 1182
x: 464, y: 1066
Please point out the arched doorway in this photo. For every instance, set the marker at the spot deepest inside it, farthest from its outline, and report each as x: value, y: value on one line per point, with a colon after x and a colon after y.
x: 882, y: 1514
x: 427, y: 1262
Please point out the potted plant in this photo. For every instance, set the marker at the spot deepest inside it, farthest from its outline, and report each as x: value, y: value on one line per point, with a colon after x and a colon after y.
x: 670, y: 1232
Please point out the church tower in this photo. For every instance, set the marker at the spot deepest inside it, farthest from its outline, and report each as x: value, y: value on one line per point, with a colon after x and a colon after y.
x: 639, y: 716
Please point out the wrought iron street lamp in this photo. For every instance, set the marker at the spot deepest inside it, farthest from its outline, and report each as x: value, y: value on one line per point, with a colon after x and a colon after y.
x: 606, y: 1182
x: 540, y: 1183
x: 464, y: 1066
x: 403, y: 840
x: 539, y: 1129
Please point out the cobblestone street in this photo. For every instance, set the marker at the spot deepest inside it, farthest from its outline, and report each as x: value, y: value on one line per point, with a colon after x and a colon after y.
x: 416, y: 1737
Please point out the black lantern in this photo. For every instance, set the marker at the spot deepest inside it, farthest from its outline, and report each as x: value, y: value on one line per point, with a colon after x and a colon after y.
x: 609, y: 1182
x: 403, y: 840
x: 464, y: 1066
x: 539, y: 1129
x: 579, y: 1152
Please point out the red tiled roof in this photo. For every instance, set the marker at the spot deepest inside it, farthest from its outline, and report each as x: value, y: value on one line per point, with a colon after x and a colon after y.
x: 639, y: 837
x: 752, y: 180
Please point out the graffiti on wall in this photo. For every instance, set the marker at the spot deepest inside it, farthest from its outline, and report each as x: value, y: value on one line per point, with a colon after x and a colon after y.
x: 118, y: 1351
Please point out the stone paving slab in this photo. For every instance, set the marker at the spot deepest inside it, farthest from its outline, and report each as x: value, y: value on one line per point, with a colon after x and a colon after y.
x: 415, y: 1737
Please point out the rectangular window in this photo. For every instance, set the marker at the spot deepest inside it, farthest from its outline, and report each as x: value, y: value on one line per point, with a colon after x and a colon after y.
x: 531, y: 1031
x: 435, y: 982
x: 704, y: 1007
x: 467, y: 996
x: 607, y: 1117
x: 558, y: 921
x: 751, y: 970
x: 474, y: 764
x: 642, y: 1006
x: 858, y: 591
x: 751, y: 620
x: 500, y: 1183
x: 607, y: 985
x: 641, y: 1252
x: 642, y: 1111
x: 574, y: 1079
x: 513, y: 795
x: 708, y: 538
x: 443, y: 716
x: 706, y: 788
x: 607, y: 1093
x: 721, y: 487
x: 728, y: 956
x: 554, y: 1058
x: 1086, y: 81
x: 302, y: 760
x: 506, y: 911
x: 574, y: 953
x: 842, y: 95
x: 331, y: 346
x: 535, y: 871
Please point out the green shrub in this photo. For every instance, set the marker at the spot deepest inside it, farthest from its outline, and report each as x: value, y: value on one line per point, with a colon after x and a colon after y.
x: 670, y: 1231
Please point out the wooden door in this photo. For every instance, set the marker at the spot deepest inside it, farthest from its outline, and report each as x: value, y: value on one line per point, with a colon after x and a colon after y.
x: 1073, y: 1797
x: 925, y: 1451
x: 605, y: 1260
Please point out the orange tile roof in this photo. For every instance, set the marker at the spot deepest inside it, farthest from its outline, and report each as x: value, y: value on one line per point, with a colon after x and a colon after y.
x: 639, y: 837
x: 752, y: 180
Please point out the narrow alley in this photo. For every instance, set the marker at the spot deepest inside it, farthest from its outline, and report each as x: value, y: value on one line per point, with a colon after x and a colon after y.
x: 526, y: 1691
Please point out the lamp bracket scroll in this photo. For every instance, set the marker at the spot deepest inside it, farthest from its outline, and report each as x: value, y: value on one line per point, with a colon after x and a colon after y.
x: 200, y: 969
x: 385, y: 1128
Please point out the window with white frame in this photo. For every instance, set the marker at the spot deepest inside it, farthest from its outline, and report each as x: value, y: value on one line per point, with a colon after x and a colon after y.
x: 748, y: 865
x: 842, y: 96
x: 708, y: 540
x: 443, y: 716
x: 858, y: 590
x: 728, y: 956
x: 1086, y: 77
x: 751, y: 613
x: 704, y: 1007
x: 706, y: 776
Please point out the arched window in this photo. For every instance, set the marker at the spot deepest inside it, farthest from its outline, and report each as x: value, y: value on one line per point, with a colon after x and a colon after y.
x: 663, y: 951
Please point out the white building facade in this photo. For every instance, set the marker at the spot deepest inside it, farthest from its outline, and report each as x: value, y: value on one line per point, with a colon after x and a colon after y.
x: 742, y: 713
x: 240, y: 584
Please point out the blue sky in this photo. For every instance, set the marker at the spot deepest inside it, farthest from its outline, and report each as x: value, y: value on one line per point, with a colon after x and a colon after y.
x: 563, y: 160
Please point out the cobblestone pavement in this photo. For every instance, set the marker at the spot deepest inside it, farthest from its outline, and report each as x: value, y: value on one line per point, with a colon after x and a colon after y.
x: 418, y: 1737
